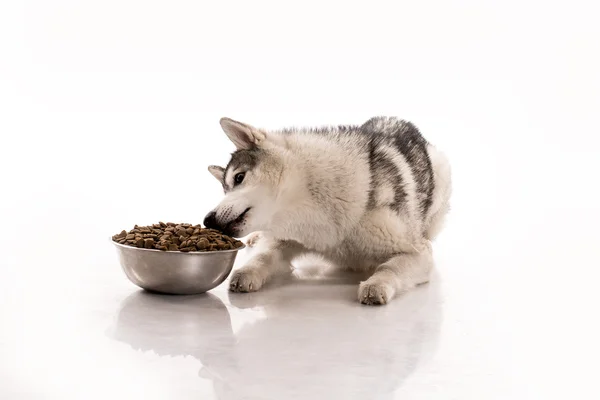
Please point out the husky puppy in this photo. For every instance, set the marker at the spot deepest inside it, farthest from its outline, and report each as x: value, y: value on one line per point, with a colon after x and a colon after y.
x: 367, y: 198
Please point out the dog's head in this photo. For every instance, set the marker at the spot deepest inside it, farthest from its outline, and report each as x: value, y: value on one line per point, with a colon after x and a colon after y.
x: 250, y: 182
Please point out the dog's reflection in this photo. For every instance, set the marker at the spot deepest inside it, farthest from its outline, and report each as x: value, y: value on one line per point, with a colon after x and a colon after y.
x: 316, y: 342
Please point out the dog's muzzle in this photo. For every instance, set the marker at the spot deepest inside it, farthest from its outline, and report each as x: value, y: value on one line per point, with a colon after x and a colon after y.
x: 229, y: 228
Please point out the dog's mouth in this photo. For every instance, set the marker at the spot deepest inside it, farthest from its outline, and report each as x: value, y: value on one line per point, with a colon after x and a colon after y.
x: 230, y: 229
x: 241, y: 217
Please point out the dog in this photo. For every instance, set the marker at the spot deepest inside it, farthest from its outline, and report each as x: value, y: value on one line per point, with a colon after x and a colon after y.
x: 367, y: 198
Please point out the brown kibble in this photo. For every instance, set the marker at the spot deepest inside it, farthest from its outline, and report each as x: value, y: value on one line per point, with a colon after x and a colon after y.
x: 176, y: 237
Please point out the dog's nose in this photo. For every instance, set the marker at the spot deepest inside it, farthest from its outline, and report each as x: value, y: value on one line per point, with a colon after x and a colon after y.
x: 210, y: 221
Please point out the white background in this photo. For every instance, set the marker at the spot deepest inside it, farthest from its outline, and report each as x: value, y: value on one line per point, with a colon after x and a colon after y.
x: 109, y: 116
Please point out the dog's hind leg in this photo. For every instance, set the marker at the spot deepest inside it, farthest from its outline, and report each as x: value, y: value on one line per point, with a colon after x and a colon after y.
x: 397, y: 275
x: 273, y: 258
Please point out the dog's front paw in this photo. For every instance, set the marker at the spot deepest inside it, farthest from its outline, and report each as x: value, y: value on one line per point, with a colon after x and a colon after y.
x: 253, y: 239
x: 374, y: 293
x: 245, y: 280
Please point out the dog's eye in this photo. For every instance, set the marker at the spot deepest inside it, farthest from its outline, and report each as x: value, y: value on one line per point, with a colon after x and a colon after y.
x: 239, y: 178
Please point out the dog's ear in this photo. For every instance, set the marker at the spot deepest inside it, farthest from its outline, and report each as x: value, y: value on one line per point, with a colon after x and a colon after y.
x: 217, y: 172
x: 243, y: 136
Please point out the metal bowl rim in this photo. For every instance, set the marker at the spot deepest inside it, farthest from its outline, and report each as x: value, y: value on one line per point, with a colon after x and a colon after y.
x: 189, y: 253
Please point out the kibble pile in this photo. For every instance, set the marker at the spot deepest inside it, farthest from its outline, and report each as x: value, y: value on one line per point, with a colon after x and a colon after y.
x: 176, y: 237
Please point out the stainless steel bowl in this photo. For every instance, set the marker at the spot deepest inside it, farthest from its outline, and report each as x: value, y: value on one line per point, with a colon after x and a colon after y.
x: 175, y: 272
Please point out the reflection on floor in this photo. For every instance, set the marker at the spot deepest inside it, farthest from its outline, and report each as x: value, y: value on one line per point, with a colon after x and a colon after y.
x: 315, y: 342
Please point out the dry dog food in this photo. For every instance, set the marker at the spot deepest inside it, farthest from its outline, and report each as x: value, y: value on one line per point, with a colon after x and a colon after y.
x: 176, y: 237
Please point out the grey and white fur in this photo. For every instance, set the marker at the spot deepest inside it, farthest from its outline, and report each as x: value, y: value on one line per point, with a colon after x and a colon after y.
x: 368, y: 198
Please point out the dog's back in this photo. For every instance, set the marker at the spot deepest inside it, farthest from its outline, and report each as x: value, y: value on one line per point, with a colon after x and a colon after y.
x: 383, y: 164
x: 421, y: 173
